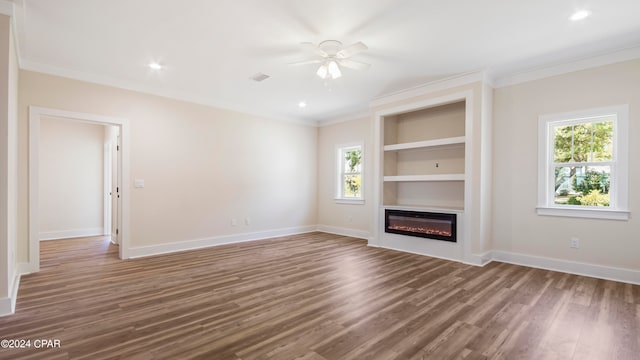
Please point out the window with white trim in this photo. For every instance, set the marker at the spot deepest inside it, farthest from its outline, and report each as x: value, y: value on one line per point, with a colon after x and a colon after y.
x: 349, y: 182
x: 582, y: 165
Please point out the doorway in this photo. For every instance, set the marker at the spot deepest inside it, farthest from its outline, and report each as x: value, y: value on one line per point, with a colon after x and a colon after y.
x: 119, y: 156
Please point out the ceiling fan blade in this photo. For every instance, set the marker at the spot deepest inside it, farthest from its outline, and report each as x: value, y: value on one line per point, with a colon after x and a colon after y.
x: 314, y: 49
x: 306, y: 62
x: 352, y: 64
x: 351, y: 50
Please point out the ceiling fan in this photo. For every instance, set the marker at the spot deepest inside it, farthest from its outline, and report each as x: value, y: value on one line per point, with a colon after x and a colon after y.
x: 332, y: 56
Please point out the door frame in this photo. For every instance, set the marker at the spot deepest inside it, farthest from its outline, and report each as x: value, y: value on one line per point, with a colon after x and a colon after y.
x: 35, y: 115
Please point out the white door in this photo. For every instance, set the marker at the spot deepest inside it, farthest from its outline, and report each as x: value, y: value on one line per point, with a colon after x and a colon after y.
x: 115, y: 192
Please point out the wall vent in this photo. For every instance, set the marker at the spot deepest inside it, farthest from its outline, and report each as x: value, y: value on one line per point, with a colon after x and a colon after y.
x: 259, y: 77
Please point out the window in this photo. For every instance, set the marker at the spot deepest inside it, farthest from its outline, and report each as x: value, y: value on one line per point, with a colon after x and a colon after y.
x: 350, y: 159
x: 582, y: 166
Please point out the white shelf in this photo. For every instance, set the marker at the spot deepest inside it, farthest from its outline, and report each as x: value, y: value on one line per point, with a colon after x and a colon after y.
x: 443, y: 209
x: 459, y: 140
x: 433, y: 177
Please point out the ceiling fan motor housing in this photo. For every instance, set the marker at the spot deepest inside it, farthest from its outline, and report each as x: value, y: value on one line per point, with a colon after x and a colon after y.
x: 331, y: 47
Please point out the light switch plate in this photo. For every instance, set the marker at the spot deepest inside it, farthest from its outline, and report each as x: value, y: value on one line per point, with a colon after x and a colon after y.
x: 138, y: 183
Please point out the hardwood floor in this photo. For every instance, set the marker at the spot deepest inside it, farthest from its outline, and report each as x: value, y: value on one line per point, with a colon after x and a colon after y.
x: 314, y: 296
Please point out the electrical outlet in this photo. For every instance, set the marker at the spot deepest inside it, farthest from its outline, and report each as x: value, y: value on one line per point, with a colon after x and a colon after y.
x: 349, y: 218
x: 247, y: 221
x: 575, y: 243
x: 234, y: 222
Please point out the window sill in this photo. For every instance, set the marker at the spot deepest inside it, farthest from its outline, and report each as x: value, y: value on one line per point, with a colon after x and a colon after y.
x: 590, y: 213
x: 349, y: 201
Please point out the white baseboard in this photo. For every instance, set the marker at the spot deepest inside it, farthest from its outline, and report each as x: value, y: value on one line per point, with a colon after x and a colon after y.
x: 479, y: 259
x: 572, y: 267
x: 66, y: 234
x: 8, y: 305
x: 444, y: 257
x: 597, y: 271
x: 360, y: 234
x: 475, y: 260
x: 5, y: 306
x: 142, y: 251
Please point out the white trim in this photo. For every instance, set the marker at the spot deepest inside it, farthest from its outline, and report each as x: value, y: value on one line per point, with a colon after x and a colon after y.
x: 104, y: 80
x: 24, y: 269
x: 479, y: 259
x: 378, y: 152
x: 17, y: 23
x: 441, y: 209
x: 343, y: 119
x: 35, y: 113
x: 359, y: 234
x: 150, y: 250
x: 5, y: 306
x: 107, y: 175
x: 434, y: 177
x: 338, y: 173
x: 571, y: 267
x: 8, y: 304
x: 73, y: 233
x: 437, y: 143
x: 588, y: 213
x: 611, y: 273
x: 463, y: 95
x: 6, y: 8
x: 568, y: 67
x: 347, y: 201
x: 428, y: 88
x: 620, y: 178
x: 13, y: 295
x: 476, y: 260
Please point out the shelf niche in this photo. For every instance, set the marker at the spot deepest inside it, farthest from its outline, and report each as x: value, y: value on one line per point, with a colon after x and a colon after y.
x: 424, y: 157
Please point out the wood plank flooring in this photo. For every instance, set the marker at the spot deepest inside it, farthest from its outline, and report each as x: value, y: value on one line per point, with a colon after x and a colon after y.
x: 314, y: 296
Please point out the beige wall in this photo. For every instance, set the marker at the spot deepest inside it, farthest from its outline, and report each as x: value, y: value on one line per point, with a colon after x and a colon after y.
x: 514, y: 225
x: 202, y: 166
x: 71, y: 179
x: 517, y: 228
x: 347, y: 216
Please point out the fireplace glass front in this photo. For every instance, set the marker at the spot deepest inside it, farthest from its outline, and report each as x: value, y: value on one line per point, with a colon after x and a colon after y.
x: 438, y: 226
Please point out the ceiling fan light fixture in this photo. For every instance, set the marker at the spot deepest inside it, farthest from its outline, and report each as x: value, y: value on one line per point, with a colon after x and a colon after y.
x: 334, y: 69
x: 323, y: 71
x: 580, y: 15
x: 155, y: 66
x: 332, y: 55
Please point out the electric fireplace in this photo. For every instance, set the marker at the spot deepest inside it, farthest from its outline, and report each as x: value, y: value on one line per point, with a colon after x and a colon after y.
x: 436, y: 226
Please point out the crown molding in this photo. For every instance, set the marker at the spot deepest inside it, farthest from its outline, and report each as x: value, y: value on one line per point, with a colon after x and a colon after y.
x: 136, y: 87
x: 342, y: 119
x: 430, y: 87
x: 6, y: 8
x: 608, y: 58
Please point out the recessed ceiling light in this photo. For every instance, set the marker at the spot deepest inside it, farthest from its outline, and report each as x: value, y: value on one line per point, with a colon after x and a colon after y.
x: 580, y: 15
x: 155, y: 66
x: 302, y: 104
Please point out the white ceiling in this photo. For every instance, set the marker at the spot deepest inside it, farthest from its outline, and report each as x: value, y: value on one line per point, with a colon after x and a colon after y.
x: 211, y: 48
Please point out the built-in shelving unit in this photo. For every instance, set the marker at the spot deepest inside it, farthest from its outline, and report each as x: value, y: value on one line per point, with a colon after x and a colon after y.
x: 430, y: 155
x: 424, y: 157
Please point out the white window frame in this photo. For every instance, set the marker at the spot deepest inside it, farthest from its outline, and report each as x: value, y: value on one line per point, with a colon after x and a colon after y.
x: 618, y: 209
x: 339, y: 166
